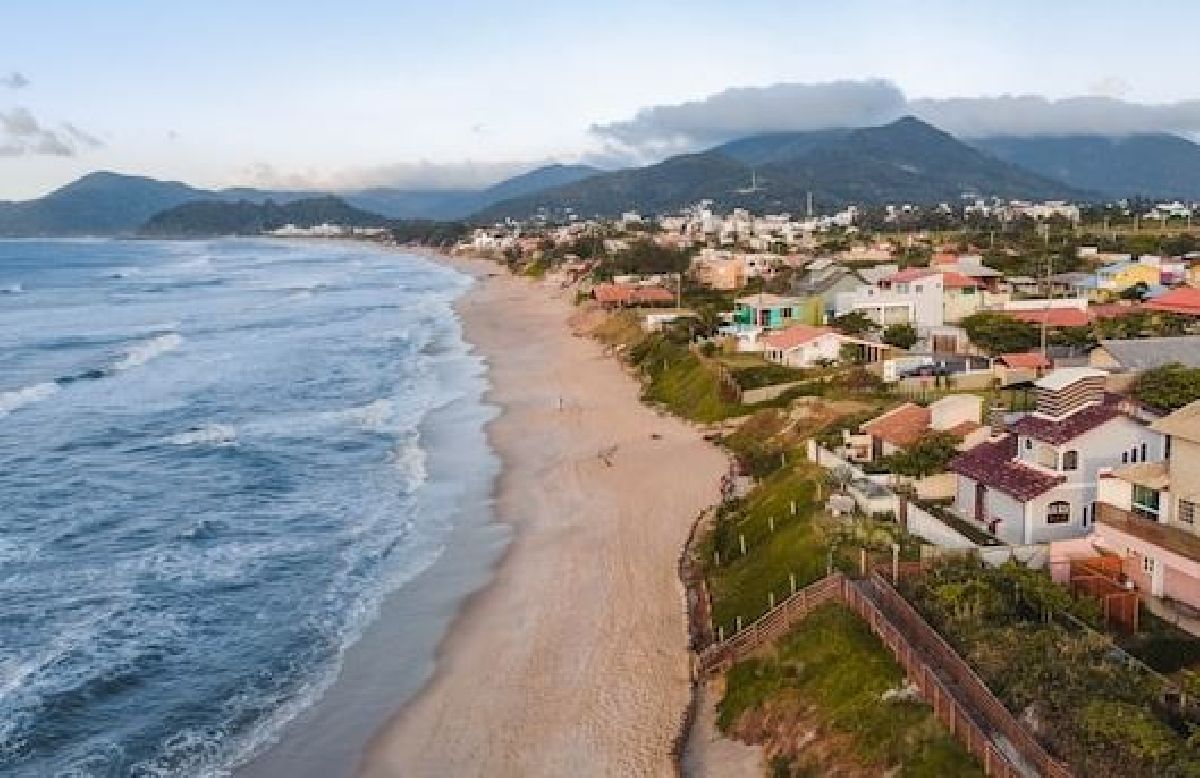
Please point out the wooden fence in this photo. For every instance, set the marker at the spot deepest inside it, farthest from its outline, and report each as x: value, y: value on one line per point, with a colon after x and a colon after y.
x: 960, y: 699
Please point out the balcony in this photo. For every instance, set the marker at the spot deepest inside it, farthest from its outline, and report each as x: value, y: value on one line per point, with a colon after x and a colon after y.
x: 1164, y: 536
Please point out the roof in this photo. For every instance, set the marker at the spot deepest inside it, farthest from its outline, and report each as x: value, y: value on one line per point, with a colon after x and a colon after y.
x: 767, y: 300
x: 1066, y: 429
x: 952, y: 279
x: 1164, y: 536
x: 1071, y: 317
x: 792, y: 337
x: 1065, y: 376
x: 1184, y: 300
x: 1149, y: 353
x: 994, y: 464
x: 910, y: 274
x: 1022, y: 280
x: 1029, y: 360
x: 1183, y: 423
x: 630, y: 294
x: 901, y: 426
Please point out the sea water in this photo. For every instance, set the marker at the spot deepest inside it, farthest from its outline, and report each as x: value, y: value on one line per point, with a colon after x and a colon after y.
x: 211, y: 474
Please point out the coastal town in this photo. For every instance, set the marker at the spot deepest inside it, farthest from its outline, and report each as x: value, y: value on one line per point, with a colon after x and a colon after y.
x: 962, y: 442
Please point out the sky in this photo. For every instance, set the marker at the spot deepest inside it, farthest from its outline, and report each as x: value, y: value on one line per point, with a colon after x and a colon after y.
x: 460, y: 93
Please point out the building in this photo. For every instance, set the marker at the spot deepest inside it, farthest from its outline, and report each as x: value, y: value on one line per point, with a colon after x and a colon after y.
x: 824, y: 279
x: 1147, y: 514
x: 805, y: 346
x: 920, y: 296
x: 770, y: 311
x: 1134, y: 356
x: 1119, y: 276
x: 904, y: 425
x: 1184, y: 301
x: 1037, y: 482
x: 631, y: 295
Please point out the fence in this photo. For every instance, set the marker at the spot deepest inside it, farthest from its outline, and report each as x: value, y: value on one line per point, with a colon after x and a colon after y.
x: 960, y: 699
x: 774, y: 624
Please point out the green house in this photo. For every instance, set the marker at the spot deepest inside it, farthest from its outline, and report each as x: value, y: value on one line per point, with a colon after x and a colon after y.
x: 774, y: 312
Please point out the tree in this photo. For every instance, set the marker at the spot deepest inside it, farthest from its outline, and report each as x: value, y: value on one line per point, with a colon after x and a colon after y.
x: 854, y: 323
x: 928, y: 456
x: 996, y: 333
x: 850, y: 354
x: 902, y: 335
x: 1168, y: 388
x: 1135, y: 292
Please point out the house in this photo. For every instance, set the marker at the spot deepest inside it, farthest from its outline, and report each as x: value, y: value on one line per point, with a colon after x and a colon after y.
x: 770, y: 311
x: 1018, y: 368
x: 1147, y: 514
x: 1037, y: 482
x: 920, y: 296
x: 1134, y: 356
x: 1119, y: 276
x: 805, y: 346
x: 904, y: 425
x: 1184, y: 301
x: 1023, y: 285
x: 825, y: 280
x: 630, y: 295
x: 727, y: 270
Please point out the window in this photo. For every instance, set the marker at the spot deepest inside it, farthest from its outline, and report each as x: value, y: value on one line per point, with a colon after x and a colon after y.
x: 1028, y: 444
x: 1133, y: 454
x: 919, y: 288
x: 1058, y: 512
x: 1070, y: 460
x: 1148, y: 565
x: 1124, y: 457
x: 1145, y: 501
x: 785, y: 313
x: 1143, y: 452
x: 1187, y: 511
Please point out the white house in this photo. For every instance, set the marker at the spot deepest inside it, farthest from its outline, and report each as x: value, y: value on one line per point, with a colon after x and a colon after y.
x: 923, y: 297
x: 1037, y: 483
x: 805, y: 346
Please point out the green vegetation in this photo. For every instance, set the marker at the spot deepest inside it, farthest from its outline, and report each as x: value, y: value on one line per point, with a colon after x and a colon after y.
x: 835, y: 667
x: 766, y: 374
x: 212, y: 217
x: 900, y: 335
x: 1169, y: 387
x: 999, y: 334
x: 927, y: 456
x: 1026, y: 637
x: 854, y: 323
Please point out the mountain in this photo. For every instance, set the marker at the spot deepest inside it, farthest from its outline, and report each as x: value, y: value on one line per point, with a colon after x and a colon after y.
x: 107, y: 203
x: 458, y: 203
x: 1155, y: 165
x: 905, y: 161
x: 207, y: 218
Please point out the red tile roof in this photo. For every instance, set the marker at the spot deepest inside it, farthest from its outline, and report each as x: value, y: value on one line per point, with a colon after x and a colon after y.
x: 955, y: 280
x: 900, y: 426
x: 1184, y: 300
x: 908, y: 274
x: 994, y: 464
x: 1029, y: 360
x: 628, y: 294
x: 1068, y: 428
x: 1071, y: 317
x: 794, y: 336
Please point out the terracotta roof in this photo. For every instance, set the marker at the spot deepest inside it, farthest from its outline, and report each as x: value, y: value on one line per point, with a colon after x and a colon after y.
x: 1185, y: 300
x: 994, y: 464
x: 955, y: 280
x: 909, y: 274
x: 795, y: 336
x: 1032, y: 360
x: 628, y: 294
x: 1072, y: 317
x: 963, y: 428
x: 1068, y: 428
x: 900, y: 426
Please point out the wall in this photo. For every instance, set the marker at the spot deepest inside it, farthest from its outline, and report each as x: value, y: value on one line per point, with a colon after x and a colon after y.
x: 1184, y: 470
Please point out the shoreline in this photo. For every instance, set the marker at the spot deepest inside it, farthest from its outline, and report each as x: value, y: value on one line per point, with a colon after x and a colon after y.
x: 529, y: 638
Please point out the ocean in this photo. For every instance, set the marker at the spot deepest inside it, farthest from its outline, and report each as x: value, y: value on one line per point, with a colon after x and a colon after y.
x: 213, y: 476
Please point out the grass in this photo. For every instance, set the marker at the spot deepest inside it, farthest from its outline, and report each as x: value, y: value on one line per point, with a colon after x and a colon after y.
x: 682, y: 382
x: 834, y: 663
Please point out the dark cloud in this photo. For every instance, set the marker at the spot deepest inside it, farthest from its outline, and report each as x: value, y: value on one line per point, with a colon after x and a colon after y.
x: 21, y: 134
x: 14, y: 80
x: 666, y: 129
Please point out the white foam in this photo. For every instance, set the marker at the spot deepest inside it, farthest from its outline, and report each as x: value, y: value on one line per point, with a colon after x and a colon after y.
x: 409, y: 459
x: 19, y: 398
x: 209, y: 435
x: 143, y: 352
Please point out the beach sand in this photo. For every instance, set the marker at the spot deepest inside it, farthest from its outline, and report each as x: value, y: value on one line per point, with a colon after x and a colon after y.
x: 573, y: 660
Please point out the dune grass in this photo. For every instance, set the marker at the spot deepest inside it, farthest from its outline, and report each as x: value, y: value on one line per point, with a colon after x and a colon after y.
x: 836, y: 665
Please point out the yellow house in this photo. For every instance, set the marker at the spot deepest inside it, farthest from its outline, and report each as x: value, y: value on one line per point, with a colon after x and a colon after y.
x: 1121, y: 275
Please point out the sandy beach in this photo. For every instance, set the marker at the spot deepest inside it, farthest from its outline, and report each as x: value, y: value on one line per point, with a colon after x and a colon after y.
x: 573, y: 661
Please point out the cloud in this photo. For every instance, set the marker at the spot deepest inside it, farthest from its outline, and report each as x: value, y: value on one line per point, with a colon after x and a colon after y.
x: 21, y: 134
x: 14, y: 80
x: 666, y: 129
x: 401, y: 175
